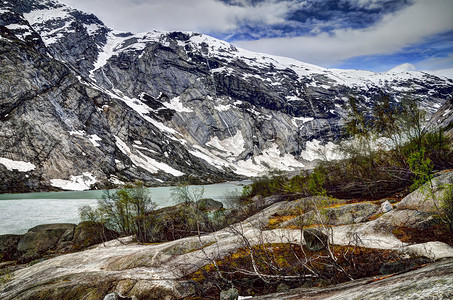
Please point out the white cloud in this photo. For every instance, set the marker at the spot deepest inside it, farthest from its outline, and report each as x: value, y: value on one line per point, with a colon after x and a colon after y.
x: 436, y: 63
x: 195, y: 15
x: 407, y: 26
x: 395, y: 31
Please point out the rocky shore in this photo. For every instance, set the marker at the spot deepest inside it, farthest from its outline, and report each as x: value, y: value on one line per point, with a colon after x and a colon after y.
x: 159, y: 271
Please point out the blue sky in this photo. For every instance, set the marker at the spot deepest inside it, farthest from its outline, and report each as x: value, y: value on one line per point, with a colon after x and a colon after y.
x: 373, y: 35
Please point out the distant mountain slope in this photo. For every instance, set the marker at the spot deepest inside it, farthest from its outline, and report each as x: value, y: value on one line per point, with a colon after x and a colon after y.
x: 83, y: 103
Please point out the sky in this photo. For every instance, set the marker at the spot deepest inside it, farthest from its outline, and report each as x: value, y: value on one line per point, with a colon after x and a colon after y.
x: 374, y: 35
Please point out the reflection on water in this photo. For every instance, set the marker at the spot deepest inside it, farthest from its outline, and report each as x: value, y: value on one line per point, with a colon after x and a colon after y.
x: 20, y: 212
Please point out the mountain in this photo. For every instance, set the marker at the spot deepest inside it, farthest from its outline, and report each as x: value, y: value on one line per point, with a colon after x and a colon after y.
x: 403, y: 68
x: 83, y: 104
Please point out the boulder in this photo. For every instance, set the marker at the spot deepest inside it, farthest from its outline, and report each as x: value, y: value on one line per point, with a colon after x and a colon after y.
x: 231, y: 294
x: 408, y: 218
x: 208, y: 204
x: 8, y: 246
x: 315, y: 240
x: 117, y: 296
x: 281, y: 288
x: 89, y: 233
x: 405, y: 265
x: 386, y: 206
x: 432, y: 250
x: 341, y: 215
x: 43, y: 239
x: 423, y: 200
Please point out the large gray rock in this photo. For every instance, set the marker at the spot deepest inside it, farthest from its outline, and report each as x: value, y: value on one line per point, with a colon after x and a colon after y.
x: 207, y: 204
x: 42, y: 239
x: 408, y: 218
x: 386, y: 206
x: 428, y: 198
x: 430, y: 282
x: 118, y: 296
x: 8, y: 246
x: 89, y: 233
x: 340, y: 215
x: 231, y: 294
x: 315, y: 239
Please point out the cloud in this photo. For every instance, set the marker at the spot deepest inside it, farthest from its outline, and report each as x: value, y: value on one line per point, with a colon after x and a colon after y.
x: 195, y: 15
x: 395, y: 31
x: 328, y: 33
x: 436, y: 63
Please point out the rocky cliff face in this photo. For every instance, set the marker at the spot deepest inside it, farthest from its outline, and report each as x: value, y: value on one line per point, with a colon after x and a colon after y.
x: 83, y: 104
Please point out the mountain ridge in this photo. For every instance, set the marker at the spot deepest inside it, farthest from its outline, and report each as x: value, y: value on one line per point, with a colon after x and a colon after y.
x: 169, y: 106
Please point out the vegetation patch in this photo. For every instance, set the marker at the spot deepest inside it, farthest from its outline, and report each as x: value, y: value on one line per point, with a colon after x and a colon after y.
x: 263, y: 269
x: 276, y: 220
x: 438, y: 232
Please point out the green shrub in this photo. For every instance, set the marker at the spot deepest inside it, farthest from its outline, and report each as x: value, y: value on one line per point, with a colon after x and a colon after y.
x: 268, y: 185
x: 421, y: 167
x: 125, y: 211
x: 447, y: 206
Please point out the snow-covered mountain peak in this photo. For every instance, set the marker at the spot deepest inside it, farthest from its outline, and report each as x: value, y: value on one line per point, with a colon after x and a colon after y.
x: 406, y: 67
x: 158, y: 106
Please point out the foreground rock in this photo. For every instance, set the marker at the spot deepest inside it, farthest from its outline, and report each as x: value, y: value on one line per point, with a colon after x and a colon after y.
x: 52, y: 239
x: 154, y: 271
x: 8, y: 246
x: 431, y: 282
x: 42, y: 238
x: 428, y: 199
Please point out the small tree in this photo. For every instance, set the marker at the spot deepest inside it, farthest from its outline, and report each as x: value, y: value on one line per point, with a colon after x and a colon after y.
x: 185, y: 194
x: 126, y: 211
x: 421, y: 167
x: 447, y: 206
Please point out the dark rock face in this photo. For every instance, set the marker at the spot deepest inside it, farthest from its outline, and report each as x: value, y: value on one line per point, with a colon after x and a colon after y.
x: 50, y: 239
x: 315, y: 240
x: 40, y: 239
x: 8, y: 246
x: 209, y: 204
x: 443, y: 118
x: 84, y: 104
x: 231, y: 294
x: 89, y: 233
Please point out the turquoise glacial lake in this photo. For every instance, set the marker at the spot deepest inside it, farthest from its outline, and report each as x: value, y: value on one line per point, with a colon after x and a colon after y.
x: 20, y: 212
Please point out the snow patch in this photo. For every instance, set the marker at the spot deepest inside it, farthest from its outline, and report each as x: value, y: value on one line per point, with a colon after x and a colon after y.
x: 77, y: 132
x: 292, y: 98
x: 142, y: 109
x: 38, y: 18
x: 302, y: 119
x: 94, y: 139
x: 113, y: 179
x: 17, y: 26
x: 315, y: 151
x: 210, y: 158
x: 91, y: 28
x: 20, y: 166
x: 76, y: 183
x: 144, y: 161
x: 176, y: 104
x: 222, y: 107
x: 269, y: 160
x: 233, y: 145
x: 108, y: 50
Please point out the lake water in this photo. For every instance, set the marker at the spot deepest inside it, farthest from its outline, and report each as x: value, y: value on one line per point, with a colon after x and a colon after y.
x: 20, y: 212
